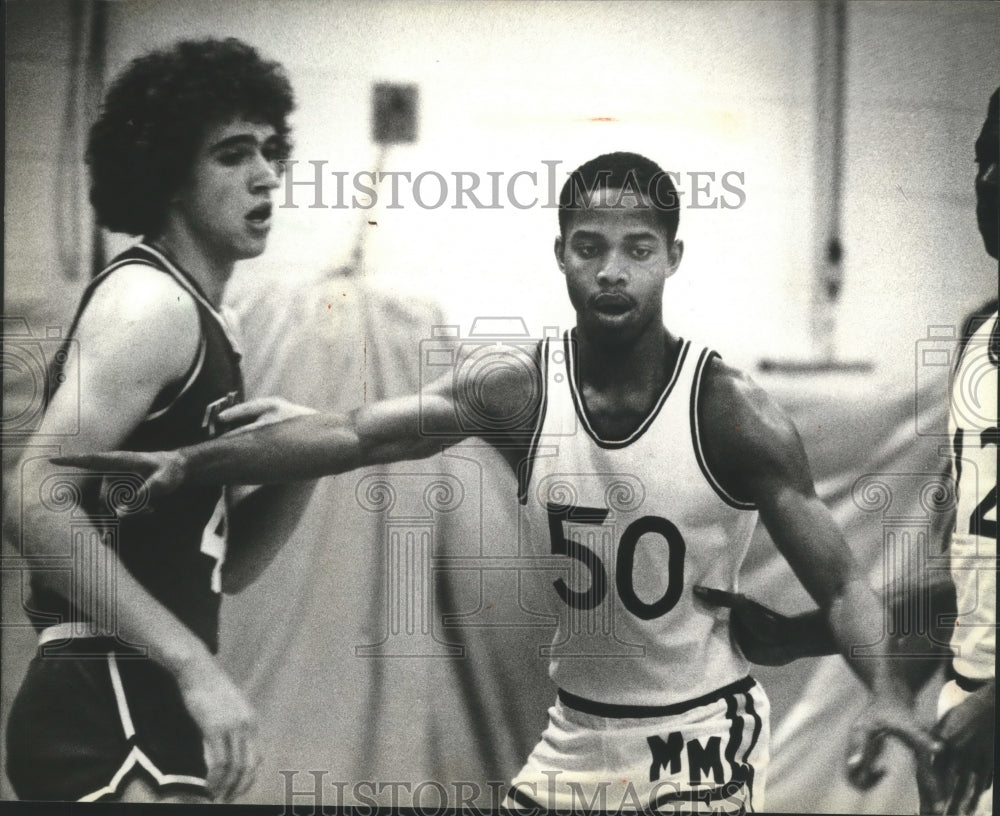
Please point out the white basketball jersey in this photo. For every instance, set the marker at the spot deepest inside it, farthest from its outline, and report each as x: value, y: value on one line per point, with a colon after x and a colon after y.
x: 639, y: 521
x: 973, y: 549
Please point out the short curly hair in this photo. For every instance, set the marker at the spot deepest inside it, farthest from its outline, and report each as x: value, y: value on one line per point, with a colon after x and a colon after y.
x: 156, y: 114
x: 621, y: 171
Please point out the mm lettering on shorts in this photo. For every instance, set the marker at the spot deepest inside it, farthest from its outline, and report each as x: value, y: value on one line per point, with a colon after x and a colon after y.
x: 704, y: 761
x: 210, y: 422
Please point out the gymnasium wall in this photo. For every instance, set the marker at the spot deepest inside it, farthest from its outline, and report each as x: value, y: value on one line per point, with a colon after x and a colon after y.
x: 707, y: 88
x: 505, y: 87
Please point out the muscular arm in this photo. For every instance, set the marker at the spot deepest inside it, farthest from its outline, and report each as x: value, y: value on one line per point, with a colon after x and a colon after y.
x: 757, y: 454
x: 138, y: 334
x: 307, y: 447
x: 120, y: 373
x: 771, y: 638
x: 326, y: 444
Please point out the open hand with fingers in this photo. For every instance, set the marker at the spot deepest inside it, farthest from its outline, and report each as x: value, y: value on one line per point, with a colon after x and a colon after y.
x: 162, y: 471
x: 883, y: 718
x: 964, y: 767
x: 259, y: 412
x: 165, y: 471
x: 766, y: 637
x: 228, y: 726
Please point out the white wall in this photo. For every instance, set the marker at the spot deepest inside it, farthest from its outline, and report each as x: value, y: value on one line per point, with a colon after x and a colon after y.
x: 504, y: 86
x: 46, y: 235
x: 919, y: 77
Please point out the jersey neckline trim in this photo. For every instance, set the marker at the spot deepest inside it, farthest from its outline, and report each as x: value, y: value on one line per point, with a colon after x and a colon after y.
x: 572, y: 374
x: 163, y: 263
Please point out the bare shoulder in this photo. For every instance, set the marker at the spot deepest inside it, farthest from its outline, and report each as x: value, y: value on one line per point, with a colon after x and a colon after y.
x: 500, y: 390
x: 140, y: 318
x: 138, y: 292
x: 747, y: 436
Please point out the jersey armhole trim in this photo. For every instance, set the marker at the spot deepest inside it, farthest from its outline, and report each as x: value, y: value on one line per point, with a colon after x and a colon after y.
x: 526, y: 466
x: 131, y: 257
x: 189, y: 380
x: 704, y: 359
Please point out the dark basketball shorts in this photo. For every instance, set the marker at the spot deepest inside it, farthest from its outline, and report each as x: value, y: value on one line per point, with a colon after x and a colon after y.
x: 81, y: 727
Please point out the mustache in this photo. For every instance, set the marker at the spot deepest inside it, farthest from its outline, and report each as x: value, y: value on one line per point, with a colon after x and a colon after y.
x: 609, y: 297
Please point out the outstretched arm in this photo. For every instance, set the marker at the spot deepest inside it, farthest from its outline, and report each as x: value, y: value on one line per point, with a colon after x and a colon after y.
x: 770, y: 638
x: 307, y: 447
x: 261, y: 519
x: 301, y: 448
x: 757, y: 454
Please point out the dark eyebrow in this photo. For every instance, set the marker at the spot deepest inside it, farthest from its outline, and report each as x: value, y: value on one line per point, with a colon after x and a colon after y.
x: 632, y: 237
x: 239, y: 140
x: 642, y: 236
x: 586, y: 235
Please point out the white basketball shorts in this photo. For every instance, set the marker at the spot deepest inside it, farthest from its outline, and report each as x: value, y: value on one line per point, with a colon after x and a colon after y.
x: 708, y: 755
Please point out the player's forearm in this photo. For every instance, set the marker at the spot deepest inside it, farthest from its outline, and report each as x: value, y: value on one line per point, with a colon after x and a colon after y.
x: 101, y: 590
x: 301, y: 448
x: 856, y: 620
x: 809, y: 635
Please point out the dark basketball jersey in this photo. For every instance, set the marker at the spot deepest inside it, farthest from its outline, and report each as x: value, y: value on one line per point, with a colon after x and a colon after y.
x: 175, y: 546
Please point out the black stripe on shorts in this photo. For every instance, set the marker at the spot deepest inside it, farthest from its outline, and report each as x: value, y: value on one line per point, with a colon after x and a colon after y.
x: 617, y: 710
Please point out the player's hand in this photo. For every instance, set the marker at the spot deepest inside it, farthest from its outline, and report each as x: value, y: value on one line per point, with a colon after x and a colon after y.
x: 964, y: 767
x: 886, y: 716
x: 162, y: 471
x: 228, y: 726
x: 258, y: 412
x: 765, y: 637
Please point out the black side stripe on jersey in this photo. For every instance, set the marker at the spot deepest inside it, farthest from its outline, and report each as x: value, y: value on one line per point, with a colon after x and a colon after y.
x: 973, y: 322
x: 526, y: 466
x: 699, y: 451
x: 993, y: 350
x: 573, y: 374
